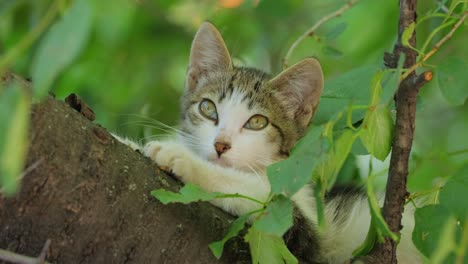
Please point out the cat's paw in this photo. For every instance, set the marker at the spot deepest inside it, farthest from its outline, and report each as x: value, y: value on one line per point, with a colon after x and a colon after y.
x: 170, y: 156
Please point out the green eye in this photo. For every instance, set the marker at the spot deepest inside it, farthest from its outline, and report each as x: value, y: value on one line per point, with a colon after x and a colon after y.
x: 208, y: 109
x: 256, y: 122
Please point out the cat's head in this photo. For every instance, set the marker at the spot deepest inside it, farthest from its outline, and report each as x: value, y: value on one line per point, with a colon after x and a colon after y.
x: 242, y: 117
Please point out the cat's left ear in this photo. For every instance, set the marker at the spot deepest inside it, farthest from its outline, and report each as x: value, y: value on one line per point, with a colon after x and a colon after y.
x: 208, y: 54
x: 299, y: 88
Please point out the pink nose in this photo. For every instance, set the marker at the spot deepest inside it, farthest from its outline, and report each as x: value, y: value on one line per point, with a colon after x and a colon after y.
x: 221, y: 147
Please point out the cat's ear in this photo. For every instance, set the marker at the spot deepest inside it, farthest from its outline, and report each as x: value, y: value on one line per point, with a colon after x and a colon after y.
x: 299, y: 88
x: 208, y: 54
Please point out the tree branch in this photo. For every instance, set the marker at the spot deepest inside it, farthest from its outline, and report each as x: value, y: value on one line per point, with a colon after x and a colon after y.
x: 90, y: 195
x: 405, y: 100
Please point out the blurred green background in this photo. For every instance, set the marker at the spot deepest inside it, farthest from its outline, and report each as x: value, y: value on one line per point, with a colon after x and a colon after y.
x: 134, y: 60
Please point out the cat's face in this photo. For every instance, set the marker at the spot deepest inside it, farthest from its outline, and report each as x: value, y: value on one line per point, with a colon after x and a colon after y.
x: 241, y: 117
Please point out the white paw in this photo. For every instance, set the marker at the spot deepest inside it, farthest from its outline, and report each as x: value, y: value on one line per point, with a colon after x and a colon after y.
x: 170, y: 156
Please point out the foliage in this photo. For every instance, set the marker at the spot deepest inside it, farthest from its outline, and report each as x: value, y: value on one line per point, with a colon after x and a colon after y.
x: 14, y: 115
x: 133, y: 59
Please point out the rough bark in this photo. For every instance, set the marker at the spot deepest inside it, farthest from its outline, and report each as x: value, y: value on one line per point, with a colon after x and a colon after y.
x: 90, y: 195
x: 405, y: 101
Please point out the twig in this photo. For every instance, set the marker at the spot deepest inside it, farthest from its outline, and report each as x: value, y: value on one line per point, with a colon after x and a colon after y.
x: 25, y: 172
x: 311, y: 30
x: 8, y: 256
x: 45, y: 249
x: 436, y: 47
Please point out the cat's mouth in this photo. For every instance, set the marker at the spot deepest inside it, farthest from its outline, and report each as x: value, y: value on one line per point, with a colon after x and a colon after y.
x: 221, y: 161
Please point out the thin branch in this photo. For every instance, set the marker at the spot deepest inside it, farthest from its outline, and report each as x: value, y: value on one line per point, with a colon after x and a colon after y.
x: 442, y: 6
x: 458, y: 152
x: 11, y: 257
x: 45, y: 249
x: 436, y: 47
x: 311, y: 30
x: 405, y: 102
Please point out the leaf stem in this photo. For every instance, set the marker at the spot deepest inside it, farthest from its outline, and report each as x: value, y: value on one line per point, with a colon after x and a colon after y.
x: 457, y: 152
x: 311, y: 30
x: 237, y: 195
x: 423, y: 193
x: 462, y: 247
x: 436, y: 47
x: 433, y: 33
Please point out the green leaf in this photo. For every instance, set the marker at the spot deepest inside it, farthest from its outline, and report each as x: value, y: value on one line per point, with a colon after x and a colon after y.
x: 331, y: 51
x: 368, y: 243
x: 377, y: 130
x: 429, y: 222
x: 339, y: 92
x: 14, y: 118
x: 277, y: 218
x: 187, y: 194
x: 451, y: 75
x: 447, y: 244
x: 328, y: 170
x: 289, y: 175
x: 268, y: 249
x: 407, y: 33
x: 455, y: 188
x: 236, y: 226
x: 336, y: 31
x: 319, y: 195
x: 376, y: 88
x: 382, y: 228
x: 61, y: 45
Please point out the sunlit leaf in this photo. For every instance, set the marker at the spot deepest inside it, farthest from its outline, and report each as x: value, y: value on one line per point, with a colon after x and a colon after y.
x: 340, y: 150
x: 288, y: 176
x: 453, y: 83
x: 187, y: 194
x: 376, y: 88
x: 268, y: 249
x: 236, y: 226
x: 377, y: 132
x: 61, y: 45
x: 407, y: 33
x: 277, y: 218
x: 14, y: 122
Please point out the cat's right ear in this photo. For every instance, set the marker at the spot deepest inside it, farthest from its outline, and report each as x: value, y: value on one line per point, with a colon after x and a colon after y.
x: 208, y: 54
x: 299, y: 88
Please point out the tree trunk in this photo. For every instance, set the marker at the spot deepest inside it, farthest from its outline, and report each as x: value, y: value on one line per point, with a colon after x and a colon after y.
x: 90, y: 195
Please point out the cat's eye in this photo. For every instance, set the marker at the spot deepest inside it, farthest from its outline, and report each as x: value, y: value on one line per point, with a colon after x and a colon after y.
x: 208, y: 109
x: 256, y: 122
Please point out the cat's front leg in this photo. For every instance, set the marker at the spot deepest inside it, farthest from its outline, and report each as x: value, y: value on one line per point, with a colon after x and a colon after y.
x: 171, y: 156
x: 175, y: 157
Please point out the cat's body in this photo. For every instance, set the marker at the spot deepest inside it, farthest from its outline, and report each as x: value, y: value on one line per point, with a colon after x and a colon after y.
x: 235, y: 122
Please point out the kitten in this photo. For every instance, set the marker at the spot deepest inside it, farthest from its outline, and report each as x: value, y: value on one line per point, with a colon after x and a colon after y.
x: 235, y: 122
